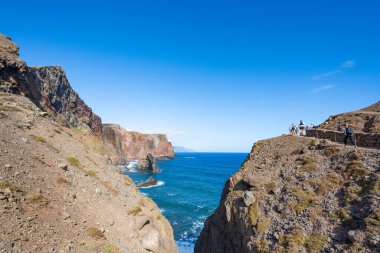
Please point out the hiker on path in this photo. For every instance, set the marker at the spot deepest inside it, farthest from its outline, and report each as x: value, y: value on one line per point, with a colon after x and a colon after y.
x: 348, y: 133
x: 302, y: 128
x: 293, y: 130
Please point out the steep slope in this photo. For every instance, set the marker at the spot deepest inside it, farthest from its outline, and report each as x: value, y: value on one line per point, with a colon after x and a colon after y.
x: 134, y: 145
x: 299, y: 194
x: 366, y: 120
x: 47, y: 87
x: 59, y: 191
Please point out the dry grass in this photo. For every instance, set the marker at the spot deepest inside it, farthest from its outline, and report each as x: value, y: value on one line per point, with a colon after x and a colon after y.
x: 304, y: 199
x: 74, y: 162
x: 4, y: 184
x: 254, y: 214
x: 62, y: 180
x: 39, y: 138
x: 309, y: 164
x: 135, y: 210
x: 108, y: 185
x: 95, y: 233
x: 36, y: 197
x: 7, y: 108
x: 315, y: 242
x: 262, y: 225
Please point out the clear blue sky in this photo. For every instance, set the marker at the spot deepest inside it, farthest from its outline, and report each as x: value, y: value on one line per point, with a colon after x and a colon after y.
x: 213, y: 75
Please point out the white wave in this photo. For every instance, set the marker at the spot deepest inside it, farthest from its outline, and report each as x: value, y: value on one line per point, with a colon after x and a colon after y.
x: 162, y: 210
x: 185, y: 247
x: 159, y: 183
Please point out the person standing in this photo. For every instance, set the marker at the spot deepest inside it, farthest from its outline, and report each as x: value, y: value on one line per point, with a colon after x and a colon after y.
x: 349, y: 134
x: 302, y: 128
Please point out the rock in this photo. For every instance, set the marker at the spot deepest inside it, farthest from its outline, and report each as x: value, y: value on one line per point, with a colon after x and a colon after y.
x: 8, y: 166
x: 134, y: 145
x: 151, y: 240
x: 110, y: 222
x: 98, y: 191
x: 149, y: 164
x: 2, y: 197
x: 63, y: 166
x: 149, y: 182
x: 65, y: 215
x: 43, y: 114
x: 248, y: 198
x: 6, y: 246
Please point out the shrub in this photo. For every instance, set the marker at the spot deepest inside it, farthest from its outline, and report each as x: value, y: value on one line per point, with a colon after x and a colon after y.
x: 309, y: 164
x: 254, y: 214
x: 36, y: 197
x: 135, y: 210
x: 91, y: 173
x: 262, y: 225
x: 95, y: 233
x: 74, y: 162
x: 39, y: 139
x: 341, y: 214
x: 304, y: 199
x: 270, y: 187
x: 261, y: 246
x: 292, y: 240
x: 4, y: 184
x: 315, y: 242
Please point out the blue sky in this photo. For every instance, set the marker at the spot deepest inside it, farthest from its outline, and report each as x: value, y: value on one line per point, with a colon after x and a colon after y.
x: 213, y: 75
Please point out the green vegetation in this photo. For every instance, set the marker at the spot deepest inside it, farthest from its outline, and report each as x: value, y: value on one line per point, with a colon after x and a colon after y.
x: 315, y: 242
x: 304, y: 199
x: 351, y: 193
x: 36, y: 197
x: 7, y: 108
x: 254, y: 214
x: 341, y: 214
x: 62, y: 180
x: 270, y: 187
x: 261, y: 246
x: 292, y: 240
x: 74, y: 162
x: 309, y: 164
x: 39, y: 139
x: 109, y: 248
x: 91, y: 173
x: 262, y: 225
x: 135, y: 210
x: 95, y: 233
x: 4, y: 184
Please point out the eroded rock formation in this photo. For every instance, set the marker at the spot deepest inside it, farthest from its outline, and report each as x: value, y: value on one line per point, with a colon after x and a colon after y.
x: 134, y: 145
x: 47, y: 87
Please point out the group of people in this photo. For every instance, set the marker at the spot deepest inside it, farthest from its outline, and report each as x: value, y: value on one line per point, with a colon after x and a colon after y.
x: 301, y: 129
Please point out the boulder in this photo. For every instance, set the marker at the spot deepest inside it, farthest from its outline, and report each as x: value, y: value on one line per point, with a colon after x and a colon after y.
x: 149, y: 182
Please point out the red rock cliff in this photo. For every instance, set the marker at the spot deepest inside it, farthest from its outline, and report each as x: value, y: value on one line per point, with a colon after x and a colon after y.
x: 134, y: 145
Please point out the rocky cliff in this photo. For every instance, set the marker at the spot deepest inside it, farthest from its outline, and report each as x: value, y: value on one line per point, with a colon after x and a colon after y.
x: 59, y: 189
x: 299, y: 194
x: 366, y: 120
x: 134, y: 145
x: 47, y: 87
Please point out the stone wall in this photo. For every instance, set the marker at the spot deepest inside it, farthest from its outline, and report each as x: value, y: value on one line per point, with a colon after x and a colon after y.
x: 367, y: 140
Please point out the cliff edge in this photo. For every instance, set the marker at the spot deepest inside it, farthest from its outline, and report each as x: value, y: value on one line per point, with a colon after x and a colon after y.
x: 47, y: 87
x: 135, y: 145
x: 299, y: 194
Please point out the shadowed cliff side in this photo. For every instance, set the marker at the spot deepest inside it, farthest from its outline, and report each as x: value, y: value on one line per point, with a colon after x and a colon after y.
x: 47, y: 87
x: 298, y: 194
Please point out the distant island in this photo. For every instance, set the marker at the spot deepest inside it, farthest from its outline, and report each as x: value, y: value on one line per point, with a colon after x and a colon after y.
x: 182, y: 149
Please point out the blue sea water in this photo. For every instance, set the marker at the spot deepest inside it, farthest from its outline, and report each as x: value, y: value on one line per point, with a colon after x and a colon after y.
x: 189, y: 190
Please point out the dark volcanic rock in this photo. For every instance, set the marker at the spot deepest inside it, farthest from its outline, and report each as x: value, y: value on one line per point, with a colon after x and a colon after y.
x: 47, y: 87
x: 149, y: 182
x: 149, y: 164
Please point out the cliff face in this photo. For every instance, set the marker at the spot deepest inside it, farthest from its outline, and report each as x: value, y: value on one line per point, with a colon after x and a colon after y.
x: 134, y: 145
x: 47, y: 87
x: 366, y: 120
x: 298, y: 194
x: 60, y: 193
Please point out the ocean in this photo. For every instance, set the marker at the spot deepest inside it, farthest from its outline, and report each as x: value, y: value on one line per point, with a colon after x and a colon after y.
x: 189, y: 190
